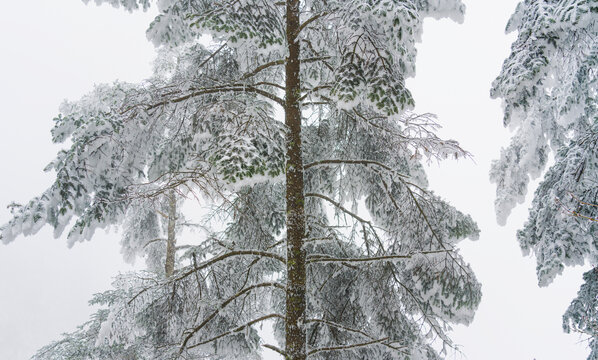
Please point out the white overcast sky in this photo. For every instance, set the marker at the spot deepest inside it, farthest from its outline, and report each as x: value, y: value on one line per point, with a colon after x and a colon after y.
x: 52, y: 50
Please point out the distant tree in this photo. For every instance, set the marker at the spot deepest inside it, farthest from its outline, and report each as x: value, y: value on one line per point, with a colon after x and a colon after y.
x: 322, y: 224
x: 548, y: 85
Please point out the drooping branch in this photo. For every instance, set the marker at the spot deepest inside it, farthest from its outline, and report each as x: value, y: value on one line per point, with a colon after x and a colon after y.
x: 315, y: 89
x: 267, y: 83
x: 422, y: 125
x: 208, y: 263
x: 215, y: 90
x: 203, y: 178
x: 236, y: 330
x: 423, y: 309
x: 359, y: 162
x: 311, y: 20
x: 348, y: 212
x: 318, y: 258
x: 262, y: 67
x: 222, y: 306
x: 275, y: 348
x: 387, y: 190
x: 340, y: 207
x: 278, y: 62
x: 211, y: 56
x: 357, y: 331
x: 153, y: 241
x: 227, y: 255
x: 346, y: 347
x: 434, y: 234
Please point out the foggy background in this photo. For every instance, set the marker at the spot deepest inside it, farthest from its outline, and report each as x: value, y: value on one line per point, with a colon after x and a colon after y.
x: 53, y: 50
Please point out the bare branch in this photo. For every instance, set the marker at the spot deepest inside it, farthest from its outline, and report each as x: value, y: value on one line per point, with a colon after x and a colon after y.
x: 576, y: 213
x: 261, y: 68
x: 211, y: 56
x: 278, y: 62
x: 274, y: 348
x: 313, y: 90
x: 153, y: 241
x: 311, y: 20
x: 339, y: 206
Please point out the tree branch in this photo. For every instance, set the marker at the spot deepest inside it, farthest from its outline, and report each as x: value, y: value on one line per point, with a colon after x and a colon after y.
x: 222, y: 306
x: 346, y: 347
x: 274, y: 348
x: 313, y: 90
x: 261, y: 68
x: 323, y: 258
x: 348, y: 212
x: 211, y: 56
x: 342, y: 327
x: 236, y: 330
x: 310, y: 20
x: 228, y: 88
x: 360, y: 162
x: 339, y: 206
x: 227, y: 255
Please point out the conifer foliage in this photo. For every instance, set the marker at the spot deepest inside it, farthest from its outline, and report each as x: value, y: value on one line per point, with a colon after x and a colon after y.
x: 548, y: 85
x: 321, y: 225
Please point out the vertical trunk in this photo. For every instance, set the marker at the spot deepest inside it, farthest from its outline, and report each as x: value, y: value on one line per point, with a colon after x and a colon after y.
x: 295, y: 297
x: 171, y: 241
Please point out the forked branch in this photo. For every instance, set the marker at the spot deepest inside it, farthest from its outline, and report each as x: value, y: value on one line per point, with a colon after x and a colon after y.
x: 236, y: 330
x: 193, y: 331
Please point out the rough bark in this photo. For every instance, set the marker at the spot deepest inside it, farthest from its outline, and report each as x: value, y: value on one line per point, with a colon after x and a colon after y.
x: 171, y: 241
x: 295, y: 296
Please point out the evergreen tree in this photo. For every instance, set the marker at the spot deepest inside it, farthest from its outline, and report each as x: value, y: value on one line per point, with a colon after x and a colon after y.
x: 330, y: 232
x: 548, y: 86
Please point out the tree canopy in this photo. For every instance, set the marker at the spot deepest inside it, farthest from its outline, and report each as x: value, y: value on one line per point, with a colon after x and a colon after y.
x: 321, y: 224
x: 548, y: 86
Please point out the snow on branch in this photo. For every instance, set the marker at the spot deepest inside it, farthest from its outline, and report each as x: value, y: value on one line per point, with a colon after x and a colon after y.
x: 236, y: 330
x: 228, y: 255
x: 346, y: 347
x: 193, y: 331
x: 342, y: 327
x: 219, y: 89
x: 322, y: 258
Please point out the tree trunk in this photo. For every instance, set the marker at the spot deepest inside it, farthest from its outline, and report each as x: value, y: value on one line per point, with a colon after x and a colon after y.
x: 295, y: 296
x: 171, y: 241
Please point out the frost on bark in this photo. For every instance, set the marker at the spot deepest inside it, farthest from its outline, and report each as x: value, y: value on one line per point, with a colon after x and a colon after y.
x: 171, y: 240
x: 295, y: 200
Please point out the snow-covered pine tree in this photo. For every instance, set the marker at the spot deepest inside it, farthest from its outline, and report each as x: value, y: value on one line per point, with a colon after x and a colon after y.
x: 330, y: 231
x: 548, y: 85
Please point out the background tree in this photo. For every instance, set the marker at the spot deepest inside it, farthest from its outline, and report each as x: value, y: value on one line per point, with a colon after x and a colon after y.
x: 360, y: 263
x: 548, y: 86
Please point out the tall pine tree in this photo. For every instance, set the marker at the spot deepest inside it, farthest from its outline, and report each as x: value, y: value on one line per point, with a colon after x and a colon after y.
x: 330, y: 232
